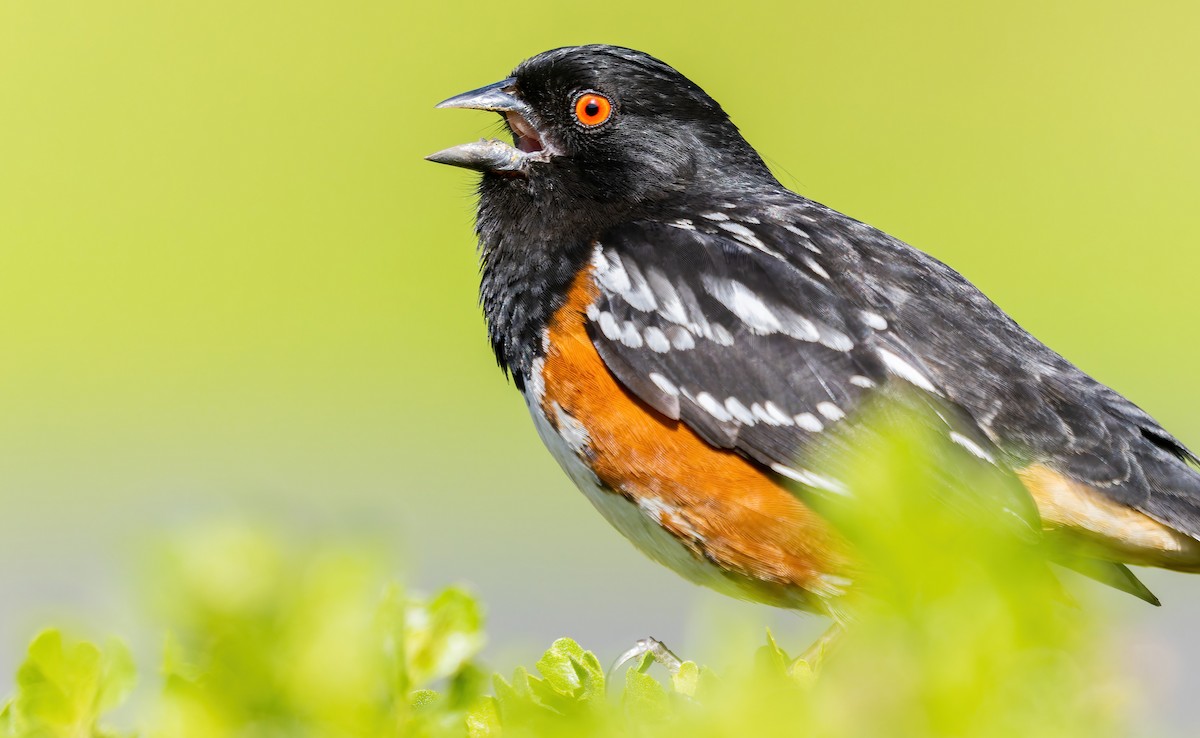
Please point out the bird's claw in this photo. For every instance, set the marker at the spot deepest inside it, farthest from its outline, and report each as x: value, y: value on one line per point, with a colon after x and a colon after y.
x: 657, y: 650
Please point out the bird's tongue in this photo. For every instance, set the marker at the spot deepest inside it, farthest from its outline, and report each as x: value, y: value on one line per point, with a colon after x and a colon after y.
x: 527, y: 139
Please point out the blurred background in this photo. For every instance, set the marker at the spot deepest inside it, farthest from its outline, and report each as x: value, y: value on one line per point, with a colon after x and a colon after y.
x: 231, y: 290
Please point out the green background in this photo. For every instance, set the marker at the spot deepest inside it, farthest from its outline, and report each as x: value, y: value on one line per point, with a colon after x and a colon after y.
x: 230, y: 288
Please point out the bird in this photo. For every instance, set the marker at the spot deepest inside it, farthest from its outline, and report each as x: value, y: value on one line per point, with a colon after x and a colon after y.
x: 686, y: 331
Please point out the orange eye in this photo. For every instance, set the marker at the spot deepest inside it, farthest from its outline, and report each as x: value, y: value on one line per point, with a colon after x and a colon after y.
x: 592, y: 109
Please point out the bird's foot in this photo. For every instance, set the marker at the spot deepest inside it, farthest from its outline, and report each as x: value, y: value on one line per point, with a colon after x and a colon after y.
x: 659, y: 652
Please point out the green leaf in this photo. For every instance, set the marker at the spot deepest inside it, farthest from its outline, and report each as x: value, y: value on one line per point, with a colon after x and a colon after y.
x: 422, y: 698
x: 771, y: 659
x: 543, y: 694
x: 62, y: 689
x: 645, y: 700
x: 507, y: 696
x: 516, y: 701
x: 466, y: 687
x: 7, y: 726
x: 483, y: 721
x: 177, y: 664
x: 591, y: 676
x: 687, y: 679
x: 963, y: 659
x: 118, y: 675
x: 645, y: 662
x: 558, y: 666
x: 442, y: 636
x: 520, y: 683
x: 57, y: 687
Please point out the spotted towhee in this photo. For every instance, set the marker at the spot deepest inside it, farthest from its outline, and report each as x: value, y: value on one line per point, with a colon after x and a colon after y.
x: 685, y: 330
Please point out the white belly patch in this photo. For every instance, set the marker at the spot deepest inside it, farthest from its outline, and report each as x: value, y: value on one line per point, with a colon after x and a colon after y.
x: 637, y: 521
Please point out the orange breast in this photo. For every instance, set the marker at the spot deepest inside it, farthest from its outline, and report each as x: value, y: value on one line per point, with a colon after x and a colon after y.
x: 728, y: 510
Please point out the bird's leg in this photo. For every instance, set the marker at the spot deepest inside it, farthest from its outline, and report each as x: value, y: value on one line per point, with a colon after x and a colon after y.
x: 655, y: 648
x: 822, y: 647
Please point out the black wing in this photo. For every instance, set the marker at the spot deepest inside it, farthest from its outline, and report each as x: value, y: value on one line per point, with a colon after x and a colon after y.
x: 765, y: 332
x: 1026, y: 397
x: 735, y: 325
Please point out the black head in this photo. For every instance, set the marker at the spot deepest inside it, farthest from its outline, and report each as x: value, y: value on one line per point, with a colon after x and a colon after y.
x: 608, y: 124
x: 601, y: 134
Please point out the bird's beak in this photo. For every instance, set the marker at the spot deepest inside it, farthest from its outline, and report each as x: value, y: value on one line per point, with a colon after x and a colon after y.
x: 492, y: 155
x: 495, y: 96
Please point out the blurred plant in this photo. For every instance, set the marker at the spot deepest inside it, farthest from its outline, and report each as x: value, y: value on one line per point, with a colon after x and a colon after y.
x: 957, y: 628
x: 63, y: 689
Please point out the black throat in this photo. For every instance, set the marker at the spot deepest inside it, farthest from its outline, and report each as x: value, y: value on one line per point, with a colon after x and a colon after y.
x: 532, y: 246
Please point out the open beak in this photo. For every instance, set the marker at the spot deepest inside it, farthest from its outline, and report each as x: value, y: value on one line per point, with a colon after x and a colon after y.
x: 490, y: 155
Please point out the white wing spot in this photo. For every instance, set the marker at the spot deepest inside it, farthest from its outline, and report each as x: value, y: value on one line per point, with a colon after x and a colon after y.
x: 631, y: 336
x: 797, y: 326
x: 719, y: 334
x: 657, y: 340
x: 743, y: 303
x: 746, y: 236
x: 715, y: 216
x: 805, y: 477
x: 639, y: 294
x: 613, y: 276
x: 831, y: 411
x: 712, y: 407
x: 761, y: 413
x: 664, y: 384
x: 694, y: 320
x: 971, y: 446
x: 817, y: 268
x: 780, y: 416
x: 859, y: 380
x: 608, y: 326
x: 906, y: 371
x: 739, y: 411
x: 669, y: 305
x: 806, y: 240
x: 742, y: 232
x: 797, y: 231
x: 875, y: 320
x: 836, y: 340
x: 681, y: 339
x: 683, y: 223
x: 809, y: 422
x: 599, y: 261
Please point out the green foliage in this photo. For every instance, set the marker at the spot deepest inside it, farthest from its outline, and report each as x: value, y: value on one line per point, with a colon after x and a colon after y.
x: 956, y: 628
x: 314, y: 645
x: 64, y: 688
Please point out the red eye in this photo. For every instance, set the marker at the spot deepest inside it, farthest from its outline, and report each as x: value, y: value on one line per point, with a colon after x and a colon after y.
x: 592, y: 109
